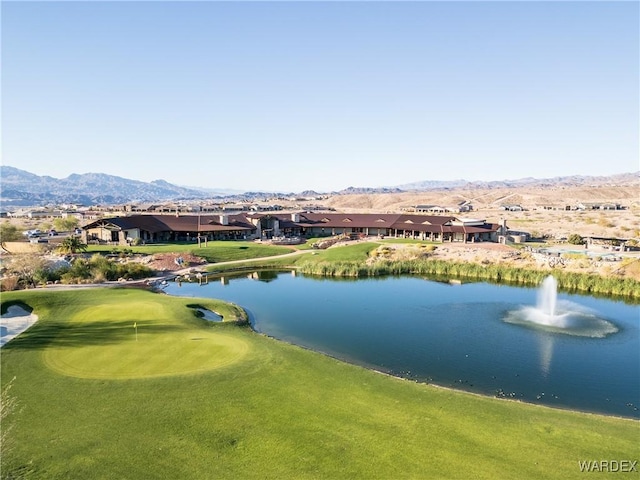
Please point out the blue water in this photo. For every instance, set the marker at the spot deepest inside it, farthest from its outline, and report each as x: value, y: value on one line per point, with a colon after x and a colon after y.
x: 450, y: 335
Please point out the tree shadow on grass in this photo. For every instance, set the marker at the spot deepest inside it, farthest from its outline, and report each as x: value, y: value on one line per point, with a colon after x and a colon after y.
x: 51, y: 333
x: 5, y: 306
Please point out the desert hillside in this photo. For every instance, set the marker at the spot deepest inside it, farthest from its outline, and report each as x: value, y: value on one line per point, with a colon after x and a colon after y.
x: 531, y: 198
x: 544, y: 207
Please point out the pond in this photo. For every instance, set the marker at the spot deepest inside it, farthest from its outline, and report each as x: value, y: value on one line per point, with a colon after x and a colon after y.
x: 454, y: 335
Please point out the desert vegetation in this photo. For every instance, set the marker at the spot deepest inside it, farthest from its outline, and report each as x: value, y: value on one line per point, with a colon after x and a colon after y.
x: 33, y: 270
x: 569, y: 281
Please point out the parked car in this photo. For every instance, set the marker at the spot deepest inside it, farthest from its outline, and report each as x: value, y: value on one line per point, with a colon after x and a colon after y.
x: 78, y: 231
x: 52, y: 233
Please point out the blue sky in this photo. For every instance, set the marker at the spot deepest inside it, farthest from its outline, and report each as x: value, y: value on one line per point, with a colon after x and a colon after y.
x: 291, y: 96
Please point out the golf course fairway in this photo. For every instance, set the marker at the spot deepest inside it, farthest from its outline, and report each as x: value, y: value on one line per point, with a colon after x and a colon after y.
x: 129, y: 384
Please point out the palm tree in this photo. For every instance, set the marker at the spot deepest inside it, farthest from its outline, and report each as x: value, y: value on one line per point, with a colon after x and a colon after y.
x: 72, y: 245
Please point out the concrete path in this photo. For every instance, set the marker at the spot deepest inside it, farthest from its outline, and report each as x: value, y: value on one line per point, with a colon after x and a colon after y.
x: 295, y: 253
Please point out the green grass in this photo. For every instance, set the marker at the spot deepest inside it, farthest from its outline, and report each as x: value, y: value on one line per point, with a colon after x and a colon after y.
x: 308, y: 244
x: 276, y: 411
x: 342, y: 253
x: 218, y: 251
x: 141, y: 344
x: 354, y: 252
x: 409, y: 241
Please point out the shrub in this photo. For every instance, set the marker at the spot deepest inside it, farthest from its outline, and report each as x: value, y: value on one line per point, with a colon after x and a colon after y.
x: 80, y: 271
x: 8, y: 284
x: 99, y: 269
x: 41, y: 275
x: 604, y: 222
x: 102, y: 268
x: 132, y: 270
x: 575, y: 239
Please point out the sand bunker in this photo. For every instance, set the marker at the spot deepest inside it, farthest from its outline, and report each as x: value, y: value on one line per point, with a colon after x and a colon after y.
x: 15, y: 321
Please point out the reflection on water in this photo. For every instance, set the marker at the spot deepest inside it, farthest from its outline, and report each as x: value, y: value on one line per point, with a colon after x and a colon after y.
x: 464, y: 336
x: 546, y: 353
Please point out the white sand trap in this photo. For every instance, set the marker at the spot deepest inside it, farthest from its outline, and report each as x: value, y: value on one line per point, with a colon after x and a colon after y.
x: 14, y: 322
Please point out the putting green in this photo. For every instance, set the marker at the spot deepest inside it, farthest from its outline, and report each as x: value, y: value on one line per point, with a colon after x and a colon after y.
x: 101, y: 342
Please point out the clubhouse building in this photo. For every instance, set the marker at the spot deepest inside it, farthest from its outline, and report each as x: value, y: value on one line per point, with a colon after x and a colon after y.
x: 260, y: 226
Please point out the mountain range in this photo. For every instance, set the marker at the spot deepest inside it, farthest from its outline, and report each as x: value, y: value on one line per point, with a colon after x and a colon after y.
x: 19, y: 187
x: 25, y: 188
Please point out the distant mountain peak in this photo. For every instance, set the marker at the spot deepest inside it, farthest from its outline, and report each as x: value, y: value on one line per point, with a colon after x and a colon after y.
x: 86, y: 188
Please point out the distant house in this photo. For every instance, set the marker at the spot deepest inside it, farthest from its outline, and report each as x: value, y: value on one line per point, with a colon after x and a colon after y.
x: 265, y: 208
x: 235, y: 208
x: 168, y: 228
x: 30, y: 213
x: 72, y: 206
x: 463, y: 207
x: 316, y: 207
x: 72, y: 214
x: 512, y: 208
x: 598, y: 206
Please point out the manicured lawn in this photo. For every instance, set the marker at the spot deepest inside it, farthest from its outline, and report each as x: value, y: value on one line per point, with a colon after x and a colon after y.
x: 308, y: 244
x: 219, y: 251
x: 337, y: 253
x: 354, y: 252
x: 95, y: 404
x: 409, y: 240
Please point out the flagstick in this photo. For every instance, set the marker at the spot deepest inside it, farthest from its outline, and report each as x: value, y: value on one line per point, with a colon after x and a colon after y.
x: 135, y: 325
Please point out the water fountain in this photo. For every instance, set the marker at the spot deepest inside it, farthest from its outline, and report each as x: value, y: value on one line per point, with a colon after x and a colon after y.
x: 548, y: 296
x: 560, y: 316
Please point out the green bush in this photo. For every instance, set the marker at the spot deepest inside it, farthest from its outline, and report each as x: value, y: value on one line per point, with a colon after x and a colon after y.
x: 80, y: 271
x: 132, y: 270
x: 99, y: 269
x: 575, y: 239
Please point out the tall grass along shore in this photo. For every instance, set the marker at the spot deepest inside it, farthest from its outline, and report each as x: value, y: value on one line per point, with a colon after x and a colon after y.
x: 569, y: 281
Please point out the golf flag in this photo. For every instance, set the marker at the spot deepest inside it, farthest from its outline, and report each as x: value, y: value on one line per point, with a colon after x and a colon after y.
x: 135, y: 324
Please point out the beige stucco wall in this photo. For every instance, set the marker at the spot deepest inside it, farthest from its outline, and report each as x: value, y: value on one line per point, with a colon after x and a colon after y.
x: 25, y: 247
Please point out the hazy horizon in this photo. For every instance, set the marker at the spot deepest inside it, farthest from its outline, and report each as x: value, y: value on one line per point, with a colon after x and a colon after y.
x: 266, y: 190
